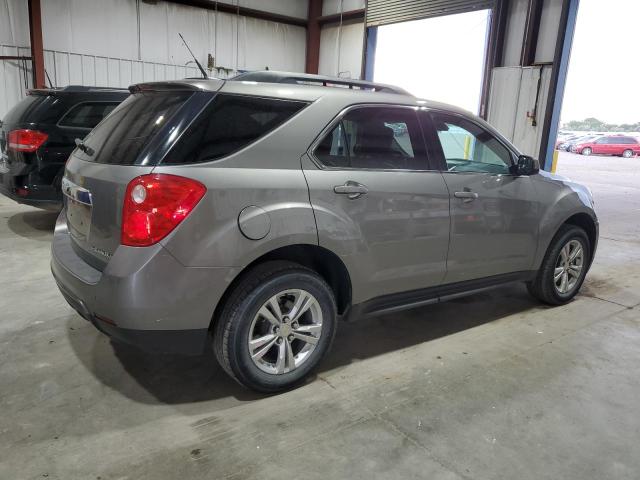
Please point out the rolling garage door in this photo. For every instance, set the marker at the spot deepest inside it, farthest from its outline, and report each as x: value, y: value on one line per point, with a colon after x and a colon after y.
x: 384, y: 12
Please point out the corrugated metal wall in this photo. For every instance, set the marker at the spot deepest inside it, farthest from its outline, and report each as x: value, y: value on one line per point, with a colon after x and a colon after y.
x: 15, y: 77
x: 65, y: 68
x: 120, y: 42
x: 341, y: 46
x: 341, y: 50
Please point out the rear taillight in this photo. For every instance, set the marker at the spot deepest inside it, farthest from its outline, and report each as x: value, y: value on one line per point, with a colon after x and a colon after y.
x: 155, y: 204
x: 26, y: 140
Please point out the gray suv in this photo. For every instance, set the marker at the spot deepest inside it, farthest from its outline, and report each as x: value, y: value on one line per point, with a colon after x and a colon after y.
x: 255, y: 213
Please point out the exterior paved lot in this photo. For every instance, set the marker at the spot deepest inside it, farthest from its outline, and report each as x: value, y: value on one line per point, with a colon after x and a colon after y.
x: 494, y: 386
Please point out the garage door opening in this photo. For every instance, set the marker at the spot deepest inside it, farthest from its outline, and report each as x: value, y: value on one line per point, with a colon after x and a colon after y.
x: 439, y: 58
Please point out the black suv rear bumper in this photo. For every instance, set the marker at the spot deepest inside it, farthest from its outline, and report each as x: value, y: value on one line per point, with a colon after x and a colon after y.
x: 46, y: 197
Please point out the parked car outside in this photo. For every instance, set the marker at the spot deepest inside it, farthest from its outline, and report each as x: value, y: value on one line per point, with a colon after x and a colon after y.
x: 38, y: 135
x: 563, y: 140
x: 566, y: 145
x: 253, y: 214
x: 620, y: 145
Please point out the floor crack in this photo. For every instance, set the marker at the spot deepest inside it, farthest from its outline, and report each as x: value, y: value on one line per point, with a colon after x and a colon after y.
x: 618, y: 239
x: 416, y: 443
x: 608, y: 301
x: 321, y: 378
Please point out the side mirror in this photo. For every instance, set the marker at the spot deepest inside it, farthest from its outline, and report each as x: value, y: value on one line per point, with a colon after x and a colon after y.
x: 527, y: 165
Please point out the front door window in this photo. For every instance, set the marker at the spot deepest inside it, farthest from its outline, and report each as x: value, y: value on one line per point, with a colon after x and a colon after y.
x: 469, y: 148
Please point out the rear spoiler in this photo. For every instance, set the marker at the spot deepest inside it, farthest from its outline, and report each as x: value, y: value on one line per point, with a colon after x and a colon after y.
x: 73, y: 89
x: 41, y: 91
x: 211, y: 84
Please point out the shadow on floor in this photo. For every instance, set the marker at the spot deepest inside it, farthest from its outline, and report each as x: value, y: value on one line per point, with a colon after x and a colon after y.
x: 173, y: 379
x: 35, y: 225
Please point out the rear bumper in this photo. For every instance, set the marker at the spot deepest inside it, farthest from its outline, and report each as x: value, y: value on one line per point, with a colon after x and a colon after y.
x: 144, y: 297
x: 186, y: 342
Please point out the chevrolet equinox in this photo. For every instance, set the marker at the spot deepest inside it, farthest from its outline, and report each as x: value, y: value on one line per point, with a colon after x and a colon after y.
x: 254, y: 213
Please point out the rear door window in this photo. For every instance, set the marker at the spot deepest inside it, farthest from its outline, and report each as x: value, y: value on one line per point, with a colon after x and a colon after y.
x: 228, y: 124
x: 87, y: 114
x: 132, y: 124
x: 380, y: 138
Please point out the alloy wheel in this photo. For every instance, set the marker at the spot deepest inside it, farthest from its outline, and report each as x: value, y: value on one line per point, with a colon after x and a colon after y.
x: 285, y: 331
x: 568, y: 267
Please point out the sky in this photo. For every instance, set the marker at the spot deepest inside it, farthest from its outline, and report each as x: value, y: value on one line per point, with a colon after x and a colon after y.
x: 440, y: 44
x: 604, y: 71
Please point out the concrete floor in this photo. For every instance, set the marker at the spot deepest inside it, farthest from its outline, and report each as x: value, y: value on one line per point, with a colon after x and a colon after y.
x: 494, y: 386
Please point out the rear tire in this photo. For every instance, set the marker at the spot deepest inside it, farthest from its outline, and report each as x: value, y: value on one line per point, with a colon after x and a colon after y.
x: 627, y: 153
x: 586, y: 151
x: 560, y: 276
x: 258, y: 343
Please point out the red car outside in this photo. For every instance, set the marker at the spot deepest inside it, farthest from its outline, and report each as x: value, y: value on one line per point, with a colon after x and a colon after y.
x: 609, y: 145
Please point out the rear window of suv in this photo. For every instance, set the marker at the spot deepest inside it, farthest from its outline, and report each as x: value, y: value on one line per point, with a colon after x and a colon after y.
x: 36, y: 108
x: 87, y: 114
x: 229, y: 123
x: 120, y: 138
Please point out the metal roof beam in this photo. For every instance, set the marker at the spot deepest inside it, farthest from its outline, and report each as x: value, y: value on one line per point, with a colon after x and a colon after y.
x: 243, y: 11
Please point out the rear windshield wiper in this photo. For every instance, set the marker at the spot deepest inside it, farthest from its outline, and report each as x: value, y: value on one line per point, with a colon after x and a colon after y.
x: 85, y: 148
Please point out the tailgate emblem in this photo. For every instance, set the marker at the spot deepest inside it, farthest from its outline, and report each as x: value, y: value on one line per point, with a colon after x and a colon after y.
x: 102, y: 252
x: 76, y: 192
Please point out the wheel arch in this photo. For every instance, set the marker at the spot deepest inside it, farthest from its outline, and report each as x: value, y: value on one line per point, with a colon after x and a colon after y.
x: 324, y: 262
x: 578, y: 219
x: 588, y: 224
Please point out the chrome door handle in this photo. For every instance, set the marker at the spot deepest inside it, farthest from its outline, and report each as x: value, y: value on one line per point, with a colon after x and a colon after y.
x: 466, y: 196
x: 352, y: 189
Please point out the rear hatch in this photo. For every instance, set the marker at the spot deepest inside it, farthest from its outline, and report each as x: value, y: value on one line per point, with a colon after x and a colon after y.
x: 126, y: 144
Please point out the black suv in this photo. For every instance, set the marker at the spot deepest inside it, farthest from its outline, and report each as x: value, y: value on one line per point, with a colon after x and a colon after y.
x: 38, y: 135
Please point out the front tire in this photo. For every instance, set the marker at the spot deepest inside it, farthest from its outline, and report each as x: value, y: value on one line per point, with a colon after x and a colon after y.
x: 564, y: 267
x: 276, y: 326
x: 586, y: 151
x: 627, y: 153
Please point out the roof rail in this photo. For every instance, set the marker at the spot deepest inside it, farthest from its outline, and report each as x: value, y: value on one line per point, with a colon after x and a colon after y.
x: 270, y: 76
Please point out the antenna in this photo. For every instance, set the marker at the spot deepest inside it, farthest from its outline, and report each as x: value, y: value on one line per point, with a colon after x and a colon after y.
x: 49, y: 78
x: 202, y: 70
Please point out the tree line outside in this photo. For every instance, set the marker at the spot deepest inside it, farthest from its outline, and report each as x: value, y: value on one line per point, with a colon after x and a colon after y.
x: 594, y: 125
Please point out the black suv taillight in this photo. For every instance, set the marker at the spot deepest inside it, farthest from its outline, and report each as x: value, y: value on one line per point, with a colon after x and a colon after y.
x: 25, y: 140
